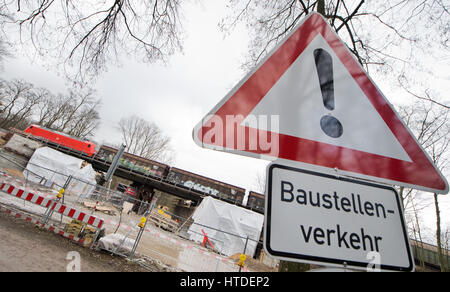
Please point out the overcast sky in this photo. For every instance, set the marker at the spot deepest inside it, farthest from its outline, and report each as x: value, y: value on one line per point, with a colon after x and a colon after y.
x: 176, y: 96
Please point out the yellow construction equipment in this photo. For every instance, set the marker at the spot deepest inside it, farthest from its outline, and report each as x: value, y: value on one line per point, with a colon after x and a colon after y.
x: 162, y: 209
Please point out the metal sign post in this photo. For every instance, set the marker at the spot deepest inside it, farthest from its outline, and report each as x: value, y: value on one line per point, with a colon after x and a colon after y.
x: 141, y: 225
x: 60, y: 197
x: 115, y: 162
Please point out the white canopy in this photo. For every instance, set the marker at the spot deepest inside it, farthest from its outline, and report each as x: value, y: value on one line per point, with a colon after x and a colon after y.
x: 56, y: 167
x: 231, y: 219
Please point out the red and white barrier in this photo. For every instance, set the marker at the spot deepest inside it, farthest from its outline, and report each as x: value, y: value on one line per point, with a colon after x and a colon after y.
x: 25, y: 195
x: 78, y: 215
x: 45, y: 226
x: 44, y: 202
x: 10, y: 189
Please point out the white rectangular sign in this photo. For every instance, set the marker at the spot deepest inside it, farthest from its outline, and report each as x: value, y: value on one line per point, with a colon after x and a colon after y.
x: 323, y: 219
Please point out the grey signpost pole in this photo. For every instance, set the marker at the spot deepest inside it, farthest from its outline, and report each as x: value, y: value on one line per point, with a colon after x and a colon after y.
x: 49, y: 212
x: 115, y: 162
x: 245, y: 249
x: 142, y: 225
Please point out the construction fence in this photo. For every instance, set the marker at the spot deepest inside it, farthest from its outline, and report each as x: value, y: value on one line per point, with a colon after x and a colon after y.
x: 119, y: 223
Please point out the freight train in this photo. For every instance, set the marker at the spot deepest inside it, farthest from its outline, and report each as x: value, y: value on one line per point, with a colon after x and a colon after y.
x: 256, y: 201
x: 180, y: 178
x: 154, y: 169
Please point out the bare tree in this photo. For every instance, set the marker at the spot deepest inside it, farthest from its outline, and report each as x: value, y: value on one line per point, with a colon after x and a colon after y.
x: 79, y: 116
x: 416, y: 226
x: 426, y: 96
x: 382, y: 35
x: 3, y: 53
x: 145, y: 139
x: 431, y: 126
x: 75, y: 113
x: 53, y: 111
x: 18, y: 98
x: 90, y: 33
x: 446, y: 247
x: 439, y: 155
x: 45, y: 108
x: 260, y: 182
x: 86, y: 121
x: 270, y: 21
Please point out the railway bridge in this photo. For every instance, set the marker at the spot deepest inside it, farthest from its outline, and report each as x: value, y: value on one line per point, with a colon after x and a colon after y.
x: 158, y: 183
x: 423, y: 253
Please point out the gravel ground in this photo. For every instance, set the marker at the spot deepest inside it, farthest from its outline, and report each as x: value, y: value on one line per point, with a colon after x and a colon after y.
x: 26, y: 248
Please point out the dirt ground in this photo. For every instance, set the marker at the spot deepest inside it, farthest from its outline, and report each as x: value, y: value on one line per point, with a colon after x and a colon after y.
x: 158, y: 249
x: 26, y: 248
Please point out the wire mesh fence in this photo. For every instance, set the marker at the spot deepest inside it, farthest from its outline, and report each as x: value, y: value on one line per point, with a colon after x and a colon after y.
x: 30, y: 192
x: 173, y: 240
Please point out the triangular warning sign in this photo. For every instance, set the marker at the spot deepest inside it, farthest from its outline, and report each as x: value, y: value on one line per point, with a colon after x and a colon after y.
x: 309, y: 102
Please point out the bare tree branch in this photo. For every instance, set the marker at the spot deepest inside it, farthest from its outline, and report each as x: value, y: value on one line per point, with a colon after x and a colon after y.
x: 91, y: 33
x: 145, y: 139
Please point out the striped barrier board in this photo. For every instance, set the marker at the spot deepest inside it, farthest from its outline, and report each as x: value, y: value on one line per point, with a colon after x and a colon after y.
x: 25, y: 195
x: 21, y: 183
x: 82, y: 242
x: 27, y: 218
x: 44, y: 202
x: 92, y: 220
x: 75, y: 214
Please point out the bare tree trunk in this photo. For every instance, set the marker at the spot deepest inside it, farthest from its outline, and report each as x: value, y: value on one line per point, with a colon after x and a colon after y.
x: 402, y: 199
x: 291, y: 266
x: 321, y: 7
x: 438, y: 234
x: 419, y: 242
x: 445, y: 247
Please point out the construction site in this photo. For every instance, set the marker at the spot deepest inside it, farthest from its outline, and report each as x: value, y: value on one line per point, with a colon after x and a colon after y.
x: 158, y: 220
x: 142, y: 216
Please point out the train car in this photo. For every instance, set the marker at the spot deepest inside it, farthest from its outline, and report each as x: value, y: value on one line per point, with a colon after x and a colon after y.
x: 133, y: 162
x: 61, y: 139
x: 256, y: 201
x: 205, y: 185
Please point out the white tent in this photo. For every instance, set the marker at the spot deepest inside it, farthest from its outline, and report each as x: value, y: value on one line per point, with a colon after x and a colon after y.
x: 225, y: 221
x: 56, y: 166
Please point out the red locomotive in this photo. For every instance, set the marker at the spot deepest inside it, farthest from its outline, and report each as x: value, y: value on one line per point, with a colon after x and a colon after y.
x: 62, y: 139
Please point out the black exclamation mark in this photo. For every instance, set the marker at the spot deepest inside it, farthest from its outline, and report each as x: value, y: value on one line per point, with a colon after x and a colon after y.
x: 324, y: 64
